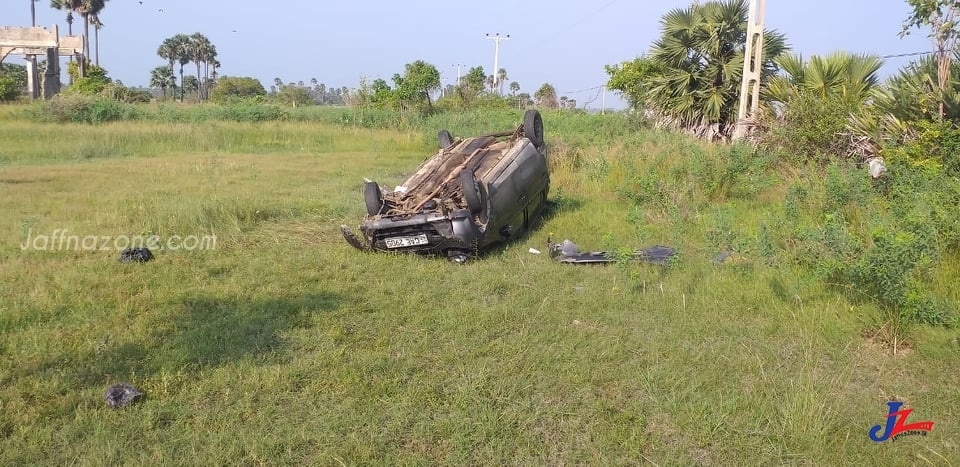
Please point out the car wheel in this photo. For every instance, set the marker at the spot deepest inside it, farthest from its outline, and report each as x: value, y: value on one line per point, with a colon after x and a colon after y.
x: 446, y: 139
x: 373, y: 198
x: 472, y: 193
x: 533, y: 127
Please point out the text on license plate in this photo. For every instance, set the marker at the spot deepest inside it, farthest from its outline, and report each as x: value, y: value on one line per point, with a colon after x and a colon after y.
x: 400, y: 242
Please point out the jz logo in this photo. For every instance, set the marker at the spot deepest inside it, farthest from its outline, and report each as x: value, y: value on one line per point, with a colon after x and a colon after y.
x: 897, y: 425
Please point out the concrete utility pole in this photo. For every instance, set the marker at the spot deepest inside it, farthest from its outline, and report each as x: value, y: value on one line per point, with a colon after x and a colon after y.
x: 496, y: 38
x: 752, y: 63
x: 458, y: 73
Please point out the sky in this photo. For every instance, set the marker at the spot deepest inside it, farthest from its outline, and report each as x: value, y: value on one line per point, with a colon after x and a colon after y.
x: 562, y: 42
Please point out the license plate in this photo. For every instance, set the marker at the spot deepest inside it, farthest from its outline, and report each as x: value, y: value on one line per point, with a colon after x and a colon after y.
x: 400, y: 242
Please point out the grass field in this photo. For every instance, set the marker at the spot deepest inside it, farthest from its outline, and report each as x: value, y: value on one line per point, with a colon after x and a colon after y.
x: 283, y: 345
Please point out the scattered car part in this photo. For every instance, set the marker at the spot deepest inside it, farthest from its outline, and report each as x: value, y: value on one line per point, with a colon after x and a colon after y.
x: 568, y: 252
x: 121, y: 395
x: 472, y: 193
x: 136, y: 255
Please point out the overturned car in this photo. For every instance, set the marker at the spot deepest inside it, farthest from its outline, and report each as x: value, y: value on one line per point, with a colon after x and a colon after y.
x: 471, y: 194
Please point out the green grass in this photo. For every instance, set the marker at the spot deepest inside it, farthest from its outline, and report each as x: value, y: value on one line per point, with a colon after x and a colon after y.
x: 285, y: 346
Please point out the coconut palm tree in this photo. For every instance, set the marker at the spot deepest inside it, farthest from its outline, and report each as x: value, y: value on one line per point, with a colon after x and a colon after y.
x: 840, y: 76
x: 701, y: 52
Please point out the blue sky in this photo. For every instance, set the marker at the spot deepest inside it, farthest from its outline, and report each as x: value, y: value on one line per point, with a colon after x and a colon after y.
x: 563, y: 42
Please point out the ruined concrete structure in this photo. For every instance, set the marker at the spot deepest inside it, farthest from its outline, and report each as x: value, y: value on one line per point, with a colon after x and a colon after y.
x: 31, y: 42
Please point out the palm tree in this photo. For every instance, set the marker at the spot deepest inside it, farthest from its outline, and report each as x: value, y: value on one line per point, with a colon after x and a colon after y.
x: 97, y: 24
x: 840, y: 76
x: 200, y: 51
x: 162, y: 78
x: 88, y: 9
x: 501, y: 77
x: 701, y: 53
x: 546, y: 96
x: 176, y: 49
x: 69, y: 6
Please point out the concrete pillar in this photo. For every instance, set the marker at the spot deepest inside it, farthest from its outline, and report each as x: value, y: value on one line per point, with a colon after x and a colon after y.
x: 33, y: 81
x: 51, y: 78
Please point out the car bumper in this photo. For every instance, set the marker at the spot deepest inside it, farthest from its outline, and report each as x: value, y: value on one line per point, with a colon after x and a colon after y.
x: 440, y: 233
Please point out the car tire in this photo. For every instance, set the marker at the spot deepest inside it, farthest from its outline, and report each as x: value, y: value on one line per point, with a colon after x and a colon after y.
x: 446, y: 139
x: 472, y: 193
x: 373, y: 198
x: 533, y: 127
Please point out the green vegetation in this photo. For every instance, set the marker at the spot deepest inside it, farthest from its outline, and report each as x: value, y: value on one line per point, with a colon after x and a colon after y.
x: 284, y: 345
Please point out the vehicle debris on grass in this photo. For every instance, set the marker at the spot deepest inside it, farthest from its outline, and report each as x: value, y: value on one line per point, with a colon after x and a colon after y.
x: 472, y: 193
x: 568, y: 252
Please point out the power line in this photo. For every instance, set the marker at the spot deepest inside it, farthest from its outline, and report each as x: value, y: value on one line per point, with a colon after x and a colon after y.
x: 908, y: 54
x: 584, y: 90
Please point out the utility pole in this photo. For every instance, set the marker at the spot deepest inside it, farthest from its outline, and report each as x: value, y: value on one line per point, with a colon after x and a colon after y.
x: 752, y: 63
x: 603, y: 100
x: 496, y: 38
x: 458, y: 72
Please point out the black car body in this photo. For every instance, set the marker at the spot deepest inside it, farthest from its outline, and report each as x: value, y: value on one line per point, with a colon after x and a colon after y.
x: 473, y: 193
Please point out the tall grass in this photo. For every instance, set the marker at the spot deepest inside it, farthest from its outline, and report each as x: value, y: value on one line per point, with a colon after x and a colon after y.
x: 285, y: 346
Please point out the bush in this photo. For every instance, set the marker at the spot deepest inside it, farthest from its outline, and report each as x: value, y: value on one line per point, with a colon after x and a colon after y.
x: 810, y: 129
x: 228, y: 88
x: 84, y: 109
x: 9, y: 89
x: 930, y: 146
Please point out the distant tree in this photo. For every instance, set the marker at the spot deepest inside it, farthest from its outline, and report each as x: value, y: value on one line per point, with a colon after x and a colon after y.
x: 71, y: 7
x: 472, y: 83
x: 176, y: 49
x: 514, y: 88
x: 201, y: 52
x: 418, y: 81
x: 95, y: 80
x: 278, y: 82
x: 501, y: 78
x: 190, y: 85
x: 236, y: 87
x: 381, y: 94
x: 941, y: 17
x: 162, y: 78
x: 13, y: 81
x: 295, y: 95
x: 546, y: 97
x: 524, y: 100
x: 633, y: 79
x: 89, y: 9
x: 97, y: 25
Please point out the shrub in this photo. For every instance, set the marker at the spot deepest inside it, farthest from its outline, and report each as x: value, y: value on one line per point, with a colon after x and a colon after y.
x: 9, y: 88
x: 84, y: 109
x: 228, y: 88
x: 810, y: 129
x: 930, y: 146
